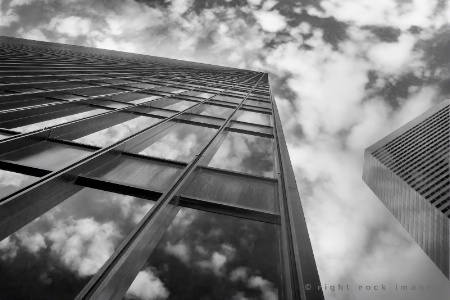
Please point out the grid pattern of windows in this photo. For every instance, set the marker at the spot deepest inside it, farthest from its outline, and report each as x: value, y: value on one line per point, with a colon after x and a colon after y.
x: 119, y: 170
x: 409, y: 171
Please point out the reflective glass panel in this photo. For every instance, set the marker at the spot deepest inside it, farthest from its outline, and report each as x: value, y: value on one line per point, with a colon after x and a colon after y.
x: 258, y: 103
x: 47, y: 155
x: 182, y: 143
x: 181, y: 105
x: 25, y: 103
x: 253, y: 117
x: 11, y: 182
x: 216, y: 111
x: 205, y: 255
x: 245, y: 153
x: 54, y: 256
x: 4, y: 136
x: 117, y: 132
x: 58, y: 121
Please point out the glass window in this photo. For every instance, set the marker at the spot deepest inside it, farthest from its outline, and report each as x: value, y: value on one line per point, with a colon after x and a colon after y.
x: 47, y: 155
x: 228, y: 99
x: 205, y: 255
x: 182, y: 143
x: 181, y: 105
x: 245, y: 153
x: 159, y: 175
x: 198, y: 94
x: 4, y: 136
x: 144, y: 85
x: 250, y: 127
x: 11, y: 182
x: 58, y: 121
x: 23, y: 103
x: 216, y: 111
x: 96, y: 91
x: 117, y: 132
x: 253, y: 117
x: 134, y: 97
x: 56, y: 255
x: 258, y: 103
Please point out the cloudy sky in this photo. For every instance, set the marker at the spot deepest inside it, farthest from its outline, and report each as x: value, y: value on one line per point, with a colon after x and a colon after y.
x: 345, y: 73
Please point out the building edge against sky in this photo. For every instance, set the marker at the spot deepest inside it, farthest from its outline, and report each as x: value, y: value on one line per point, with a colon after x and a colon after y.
x: 61, y: 107
x: 408, y: 170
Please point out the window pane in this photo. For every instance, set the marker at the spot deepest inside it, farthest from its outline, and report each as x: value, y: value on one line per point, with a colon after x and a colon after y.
x: 57, y: 121
x: 228, y: 99
x: 47, y: 155
x: 182, y: 143
x: 181, y: 105
x: 11, y: 182
x: 54, y: 256
x: 253, y: 117
x: 245, y: 153
x: 216, y: 111
x: 210, y: 256
x: 117, y: 132
x: 258, y: 103
x: 198, y: 94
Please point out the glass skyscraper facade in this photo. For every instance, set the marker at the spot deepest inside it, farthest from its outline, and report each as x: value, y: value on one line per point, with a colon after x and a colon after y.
x: 409, y: 171
x: 139, y: 177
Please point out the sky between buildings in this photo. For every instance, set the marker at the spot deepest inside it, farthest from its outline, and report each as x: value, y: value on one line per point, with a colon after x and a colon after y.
x: 345, y: 73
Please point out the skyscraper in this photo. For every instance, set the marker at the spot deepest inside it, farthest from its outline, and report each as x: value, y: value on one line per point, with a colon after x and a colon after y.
x: 125, y: 175
x: 409, y: 171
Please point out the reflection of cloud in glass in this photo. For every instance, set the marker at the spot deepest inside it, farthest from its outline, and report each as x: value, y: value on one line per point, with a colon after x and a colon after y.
x: 216, y: 111
x: 245, y: 153
x: 181, y: 105
x: 11, y: 182
x: 227, y: 256
x: 58, y: 121
x: 252, y: 117
x: 147, y: 286
x: 55, y: 255
x: 183, y: 143
x: 117, y: 132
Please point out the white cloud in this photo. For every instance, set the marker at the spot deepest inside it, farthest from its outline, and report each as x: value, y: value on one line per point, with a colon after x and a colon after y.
x: 8, y: 249
x: 271, y: 21
x: 254, y: 2
x: 33, y: 242
x: 14, y: 3
x: 83, y: 245
x: 215, y: 264
x: 147, y: 286
x: 267, y: 289
x: 392, y: 57
x: 72, y: 26
x: 179, y: 250
x: 240, y: 273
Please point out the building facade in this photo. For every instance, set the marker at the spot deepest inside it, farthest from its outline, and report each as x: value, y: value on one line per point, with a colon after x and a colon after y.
x: 409, y: 171
x: 139, y: 177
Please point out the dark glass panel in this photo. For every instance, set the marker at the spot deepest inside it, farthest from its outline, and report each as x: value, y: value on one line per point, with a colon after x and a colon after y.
x: 182, y: 143
x: 144, y: 85
x: 25, y: 103
x: 210, y: 256
x: 134, y: 97
x: 47, y: 155
x: 258, y: 103
x: 11, y: 182
x: 117, y: 132
x: 146, y: 173
x: 232, y: 188
x: 253, y: 117
x: 96, y: 91
x: 106, y: 103
x: 54, y: 256
x: 58, y: 121
x: 245, y: 153
x: 251, y: 127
